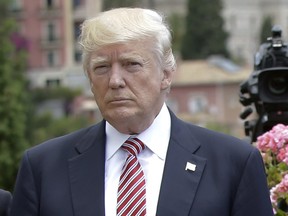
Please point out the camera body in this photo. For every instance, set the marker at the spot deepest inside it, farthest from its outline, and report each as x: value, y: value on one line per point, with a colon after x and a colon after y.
x: 267, y: 87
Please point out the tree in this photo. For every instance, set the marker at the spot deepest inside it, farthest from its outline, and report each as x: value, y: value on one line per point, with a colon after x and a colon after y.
x: 47, y: 127
x: 266, y: 27
x: 43, y: 125
x: 108, y: 4
x: 176, y: 23
x: 204, y: 34
x: 12, y: 100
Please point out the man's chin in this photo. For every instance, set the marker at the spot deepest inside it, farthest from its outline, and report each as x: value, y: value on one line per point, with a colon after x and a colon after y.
x: 120, y: 114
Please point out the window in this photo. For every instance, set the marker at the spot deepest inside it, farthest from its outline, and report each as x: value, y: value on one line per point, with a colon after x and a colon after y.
x: 77, y: 3
x: 197, y: 104
x: 51, y: 32
x: 52, y: 83
x: 16, y: 5
x: 51, y: 59
x: 77, y: 30
x: 78, y: 56
x: 49, y: 3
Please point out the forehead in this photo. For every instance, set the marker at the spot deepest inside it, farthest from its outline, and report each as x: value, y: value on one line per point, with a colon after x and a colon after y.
x: 131, y: 49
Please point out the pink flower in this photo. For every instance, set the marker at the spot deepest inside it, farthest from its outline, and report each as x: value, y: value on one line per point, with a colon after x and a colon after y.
x: 279, y: 190
x: 273, y: 140
x: 281, y: 154
x: 273, y: 146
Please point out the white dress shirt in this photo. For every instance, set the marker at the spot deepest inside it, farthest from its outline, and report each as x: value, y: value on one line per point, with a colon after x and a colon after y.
x: 152, y: 159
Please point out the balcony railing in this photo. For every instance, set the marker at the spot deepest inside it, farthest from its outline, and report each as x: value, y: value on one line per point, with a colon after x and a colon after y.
x: 52, y: 43
x: 53, y: 11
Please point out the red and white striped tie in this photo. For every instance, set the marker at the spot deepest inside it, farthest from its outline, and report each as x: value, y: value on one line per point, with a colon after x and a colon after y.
x: 131, y: 199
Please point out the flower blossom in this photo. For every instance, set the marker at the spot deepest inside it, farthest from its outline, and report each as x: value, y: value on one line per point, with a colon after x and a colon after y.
x: 273, y: 146
x: 276, y: 142
x: 279, y: 191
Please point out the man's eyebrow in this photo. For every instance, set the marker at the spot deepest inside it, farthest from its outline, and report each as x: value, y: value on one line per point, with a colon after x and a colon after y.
x: 132, y: 56
x: 97, y: 60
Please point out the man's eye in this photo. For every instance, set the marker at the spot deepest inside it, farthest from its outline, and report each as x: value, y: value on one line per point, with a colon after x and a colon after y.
x: 100, y: 69
x: 133, y: 65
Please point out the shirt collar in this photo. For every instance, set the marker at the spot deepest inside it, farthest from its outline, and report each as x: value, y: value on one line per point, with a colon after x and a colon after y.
x: 156, y: 137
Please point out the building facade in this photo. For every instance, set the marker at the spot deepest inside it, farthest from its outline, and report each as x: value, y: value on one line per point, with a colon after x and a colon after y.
x: 51, y: 28
x: 206, y: 92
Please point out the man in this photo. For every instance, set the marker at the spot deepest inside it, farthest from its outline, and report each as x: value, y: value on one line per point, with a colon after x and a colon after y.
x: 182, y: 169
x: 5, y: 202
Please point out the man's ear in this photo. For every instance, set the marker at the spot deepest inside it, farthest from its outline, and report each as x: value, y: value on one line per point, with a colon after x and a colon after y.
x: 166, y: 79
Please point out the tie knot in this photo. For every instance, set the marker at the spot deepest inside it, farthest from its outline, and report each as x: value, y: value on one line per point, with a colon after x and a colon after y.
x: 133, y: 146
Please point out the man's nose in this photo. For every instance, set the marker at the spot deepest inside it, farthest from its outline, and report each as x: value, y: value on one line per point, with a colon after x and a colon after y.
x: 116, y: 79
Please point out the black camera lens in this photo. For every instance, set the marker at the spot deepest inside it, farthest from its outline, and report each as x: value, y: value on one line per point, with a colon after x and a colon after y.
x: 278, y: 85
x: 273, y: 85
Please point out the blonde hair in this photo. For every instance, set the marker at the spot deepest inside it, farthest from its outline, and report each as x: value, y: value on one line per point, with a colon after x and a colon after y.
x: 127, y: 24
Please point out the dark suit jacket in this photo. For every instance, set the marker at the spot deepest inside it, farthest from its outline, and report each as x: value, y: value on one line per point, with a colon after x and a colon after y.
x: 65, y: 176
x: 5, y: 202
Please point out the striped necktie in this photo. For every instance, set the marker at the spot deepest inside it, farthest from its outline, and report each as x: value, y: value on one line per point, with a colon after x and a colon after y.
x: 131, y: 198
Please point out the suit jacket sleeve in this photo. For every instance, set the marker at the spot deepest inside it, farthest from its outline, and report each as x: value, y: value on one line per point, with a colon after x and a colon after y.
x: 25, y: 196
x: 252, y: 197
x: 5, y: 201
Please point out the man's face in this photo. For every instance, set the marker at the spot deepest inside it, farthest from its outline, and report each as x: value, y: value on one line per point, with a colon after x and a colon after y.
x: 128, y: 85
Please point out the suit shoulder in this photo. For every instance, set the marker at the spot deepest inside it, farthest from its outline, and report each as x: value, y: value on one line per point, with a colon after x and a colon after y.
x: 222, y: 139
x: 215, y: 141
x: 221, y: 148
x: 63, y: 143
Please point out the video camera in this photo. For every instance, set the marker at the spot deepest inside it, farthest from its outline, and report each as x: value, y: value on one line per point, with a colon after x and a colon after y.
x: 266, y: 87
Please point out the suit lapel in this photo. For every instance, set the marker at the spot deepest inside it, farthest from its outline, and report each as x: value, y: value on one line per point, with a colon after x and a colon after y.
x: 86, y: 172
x: 179, y: 186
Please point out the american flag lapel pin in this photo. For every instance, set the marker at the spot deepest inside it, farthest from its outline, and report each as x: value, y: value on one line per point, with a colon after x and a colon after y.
x: 190, y: 166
